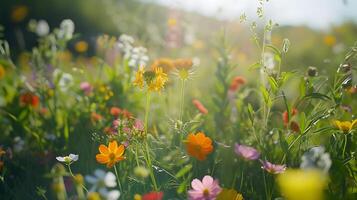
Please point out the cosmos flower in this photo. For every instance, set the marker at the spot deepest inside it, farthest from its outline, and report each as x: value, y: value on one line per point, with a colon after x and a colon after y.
x: 110, y: 154
x: 68, y: 159
x: 198, y: 145
x: 208, y: 189
x: 200, y: 107
x: 345, y: 126
x: 273, y: 168
x: 246, y: 152
x: 86, y: 87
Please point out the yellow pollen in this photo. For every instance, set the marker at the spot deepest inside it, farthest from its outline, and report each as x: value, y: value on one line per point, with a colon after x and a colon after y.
x: 206, y: 192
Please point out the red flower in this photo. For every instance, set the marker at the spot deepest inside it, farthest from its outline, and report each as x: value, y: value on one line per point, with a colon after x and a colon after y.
x: 294, y: 126
x: 126, y: 114
x: 95, y: 117
x: 200, y: 106
x: 29, y: 99
x: 153, y: 196
x: 286, y: 116
x: 236, y: 82
x: 115, y: 111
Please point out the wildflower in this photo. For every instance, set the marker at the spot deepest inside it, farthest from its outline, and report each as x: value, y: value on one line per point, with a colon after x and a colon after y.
x: 229, y: 194
x: 68, y: 159
x: 86, y: 87
x: 345, y: 126
x: 64, y: 80
x: 138, y: 57
x: 139, y: 78
x: 81, y: 46
x: 294, y: 126
x: 183, y: 63
x: 273, y: 168
x: 115, y: 111
x: 29, y: 99
x: 126, y: 114
x: 236, y: 83
x: 316, y: 158
x: 208, y: 189
x: 329, y: 40
x: 302, y: 184
x: 66, y: 29
x: 246, y: 152
x: 285, y: 116
x: 198, y: 145
x: 19, y: 13
x: 125, y: 45
x: 2, y: 72
x: 166, y: 64
x: 139, y: 125
x: 101, y: 181
x: 95, y: 117
x: 42, y: 28
x: 111, y: 154
x: 93, y: 196
x: 158, y: 83
x: 200, y: 107
x: 18, y: 144
x: 153, y: 196
x: 141, y: 172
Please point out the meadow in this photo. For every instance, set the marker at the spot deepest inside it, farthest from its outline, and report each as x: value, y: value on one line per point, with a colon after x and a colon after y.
x: 251, y: 110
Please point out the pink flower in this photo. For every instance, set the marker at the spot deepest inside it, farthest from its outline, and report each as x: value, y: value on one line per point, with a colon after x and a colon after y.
x: 273, y: 168
x: 86, y: 87
x: 139, y: 125
x: 248, y: 153
x: 208, y: 189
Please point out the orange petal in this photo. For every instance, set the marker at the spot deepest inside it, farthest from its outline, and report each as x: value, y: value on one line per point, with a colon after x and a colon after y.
x: 103, y: 149
x: 120, y: 150
x: 113, y: 146
x: 101, y: 158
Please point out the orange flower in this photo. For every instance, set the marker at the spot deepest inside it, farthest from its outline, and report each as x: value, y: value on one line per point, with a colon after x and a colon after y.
x: 200, y: 106
x: 286, y: 115
x: 236, y: 83
x: 198, y: 146
x: 115, y: 111
x: 111, y: 154
x: 95, y: 117
x: 29, y: 99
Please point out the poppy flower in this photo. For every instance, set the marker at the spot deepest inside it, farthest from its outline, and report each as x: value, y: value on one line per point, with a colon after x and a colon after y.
x: 153, y: 196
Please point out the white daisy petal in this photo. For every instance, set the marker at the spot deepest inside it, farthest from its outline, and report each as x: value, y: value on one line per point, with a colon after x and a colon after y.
x: 110, y: 180
x: 99, y: 173
x: 113, y: 195
x: 59, y: 158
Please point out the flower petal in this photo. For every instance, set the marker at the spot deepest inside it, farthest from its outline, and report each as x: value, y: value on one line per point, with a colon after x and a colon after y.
x: 197, y: 185
x: 103, y: 149
x: 113, y: 146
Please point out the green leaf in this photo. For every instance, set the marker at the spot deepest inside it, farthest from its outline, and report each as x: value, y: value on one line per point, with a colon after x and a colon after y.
x: 274, y: 49
x: 274, y: 85
x: 251, y: 113
x: 183, y: 171
x: 316, y: 95
x: 254, y: 66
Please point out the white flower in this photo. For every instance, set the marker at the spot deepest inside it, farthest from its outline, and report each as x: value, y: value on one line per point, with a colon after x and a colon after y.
x: 316, y: 157
x: 64, y: 80
x: 18, y: 144
x: 66, y: 29
x: 42, y: 28
x: 101, y: 181
x: 138, y: 57
x: 68, y: 159
x: 125, y: 45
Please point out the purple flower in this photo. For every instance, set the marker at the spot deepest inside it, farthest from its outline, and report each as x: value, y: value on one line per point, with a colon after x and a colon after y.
x: 248, y: 153
x: 273, y: 168
x: 86, y: 87
x: 208, y: 189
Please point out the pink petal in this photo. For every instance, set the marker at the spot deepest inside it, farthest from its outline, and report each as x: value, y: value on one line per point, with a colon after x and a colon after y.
x: 207, y: 181
x: 197, y: 185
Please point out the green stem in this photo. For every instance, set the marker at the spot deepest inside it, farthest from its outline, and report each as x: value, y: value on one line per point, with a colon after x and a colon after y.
x: 344, y: 147
x: 70, y: 171
x: 182, y: 98
x: 116, y: 174
x: 265, y: 186
x: 147, y: 108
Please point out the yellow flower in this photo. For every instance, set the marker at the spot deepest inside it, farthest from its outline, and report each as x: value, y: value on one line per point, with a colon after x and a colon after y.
x: 345, y: 126
x: 137, y: 197
x: 81, y: 46
x: 2, y: 72
x: 330, y: 40
x: 110, y: 154
x: 139, y: 78
x: 93, y: 196
x: 229, y: 194
x: 302, y: 184
x: 171, y: 22
x: 166, y: 63
x: 160, y: 79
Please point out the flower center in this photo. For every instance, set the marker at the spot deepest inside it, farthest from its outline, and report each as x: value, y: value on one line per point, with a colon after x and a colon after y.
x: 112, y: 156
x: 206, y: 192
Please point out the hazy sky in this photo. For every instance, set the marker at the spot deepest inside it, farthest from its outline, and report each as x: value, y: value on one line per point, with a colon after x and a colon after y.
x: 315, y: 13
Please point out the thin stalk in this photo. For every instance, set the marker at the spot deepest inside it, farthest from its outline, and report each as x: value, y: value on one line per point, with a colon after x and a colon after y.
x: 70, y: 172
x: 265, y: 185
x: 147, y: 108
x: 118, y: 180
x: 344, y: 146
x: 182, y: 98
